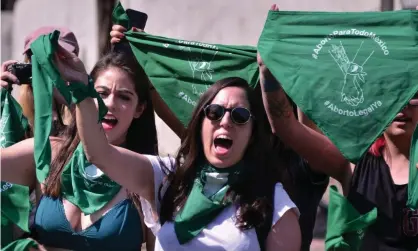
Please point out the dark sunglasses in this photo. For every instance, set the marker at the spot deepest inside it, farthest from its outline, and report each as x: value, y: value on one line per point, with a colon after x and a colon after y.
x: 239, y: 115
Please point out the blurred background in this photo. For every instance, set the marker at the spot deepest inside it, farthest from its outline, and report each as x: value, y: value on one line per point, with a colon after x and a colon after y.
x: 211, y: 21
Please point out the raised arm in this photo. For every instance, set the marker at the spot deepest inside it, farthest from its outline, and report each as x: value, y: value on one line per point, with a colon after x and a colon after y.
x: 129, y: 169
x: 322, y: 155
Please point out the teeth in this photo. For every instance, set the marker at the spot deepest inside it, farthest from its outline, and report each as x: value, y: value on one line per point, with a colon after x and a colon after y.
x: 223, y: 137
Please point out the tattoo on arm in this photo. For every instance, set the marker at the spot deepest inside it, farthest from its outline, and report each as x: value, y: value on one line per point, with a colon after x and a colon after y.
x: 279, y: 106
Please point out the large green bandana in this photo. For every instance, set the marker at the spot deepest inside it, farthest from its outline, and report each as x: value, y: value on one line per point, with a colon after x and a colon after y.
x: 350, y: 73
x: 206, y: 200
x: 181, y: 71
x: 345, y: 225
x: 15, y: 203
x: 86, y: 186
x: 45, y: 77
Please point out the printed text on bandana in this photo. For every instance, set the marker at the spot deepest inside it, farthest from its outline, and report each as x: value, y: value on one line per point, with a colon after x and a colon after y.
x: 351, y: 60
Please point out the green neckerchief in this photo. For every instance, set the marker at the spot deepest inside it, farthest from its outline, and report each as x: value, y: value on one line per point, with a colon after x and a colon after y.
x: 181, y: 71
x: 86, y: 186
x: 345, y: 225
x: 15, y: 209
x: 45, y: 77
x: 20, y: 245
x: 206, y: 199
x: 413, y: 173
x: 349, y: 72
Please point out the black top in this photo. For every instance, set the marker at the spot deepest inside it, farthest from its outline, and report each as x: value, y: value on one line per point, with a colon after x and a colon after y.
x: 372, y: 186
x: 309, y: 187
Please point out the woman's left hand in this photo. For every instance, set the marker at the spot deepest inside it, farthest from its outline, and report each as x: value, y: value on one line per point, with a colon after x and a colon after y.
x: 70, y: 66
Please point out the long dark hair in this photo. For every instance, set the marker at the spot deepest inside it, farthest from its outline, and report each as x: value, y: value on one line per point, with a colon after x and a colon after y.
x: 254, y: 196
x: 141, y: 136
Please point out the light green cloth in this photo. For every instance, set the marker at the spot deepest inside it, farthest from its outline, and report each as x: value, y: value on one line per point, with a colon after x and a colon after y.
x: 345, y: 225
x: 181, y: 71
x: 45, y: 77
x: 413, y: 173
x: 349, y: 72
x: 86, y: 186
x: 20, y: 245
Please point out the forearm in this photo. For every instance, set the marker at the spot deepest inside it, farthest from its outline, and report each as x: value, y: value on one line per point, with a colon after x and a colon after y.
x: 91, y: 132
x: 322, y: 155
x: 164, y: 112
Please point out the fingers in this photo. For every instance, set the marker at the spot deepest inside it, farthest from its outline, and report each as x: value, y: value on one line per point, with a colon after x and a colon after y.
x: 8, y: 78
x: 6, y: 64
x: 118, y: 28
x: 274, y: 7
x: 116, y: 36
x: 137, y: 29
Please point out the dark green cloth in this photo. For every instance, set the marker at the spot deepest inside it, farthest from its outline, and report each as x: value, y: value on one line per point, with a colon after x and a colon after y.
x: 181, y: 71
x: 45, y: 77
x: 86, y: 186
x: 345, y: 225
x: 349, y: 72
x: 207, y: 199
x: 413, y: 173
x: 20, y: 245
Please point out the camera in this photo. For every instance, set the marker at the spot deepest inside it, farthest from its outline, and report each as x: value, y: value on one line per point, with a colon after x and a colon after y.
x: 23, y: 72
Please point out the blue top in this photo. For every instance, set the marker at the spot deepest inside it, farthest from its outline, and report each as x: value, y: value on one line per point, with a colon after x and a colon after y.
x: 118, y: 229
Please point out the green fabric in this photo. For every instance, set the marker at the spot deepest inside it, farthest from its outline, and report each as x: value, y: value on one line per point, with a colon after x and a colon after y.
x: 15, y: 210
x: 120, y: 17
x: 413, y: 173
x: 181, y: 71
x: 13, y: 125
x: 45, y: 77
x: 21, y: 245
x: 203, y: 205
x: 84, y: 185
x: 345, y: 225
x: 350, y: 73
x: 15, y: 202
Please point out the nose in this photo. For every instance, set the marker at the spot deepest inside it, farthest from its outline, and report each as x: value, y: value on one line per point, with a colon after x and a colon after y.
x: 110, y: 102
x: 226, y: 120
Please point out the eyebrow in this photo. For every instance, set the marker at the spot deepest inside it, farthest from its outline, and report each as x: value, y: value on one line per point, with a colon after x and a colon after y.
x: 123, y: 90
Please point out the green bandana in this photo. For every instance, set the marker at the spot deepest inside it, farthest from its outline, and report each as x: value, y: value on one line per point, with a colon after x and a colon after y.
x: 350, y: 73
x: 20, y: 245
x: 181, y: 71
x: 15, y: 202
x: 13, y: 124
x: 345, y: 225
x: 44, y: 78
x: 206, y: 200
x: 15, y: 209
x: 413, y: 172
x: 86, y: 186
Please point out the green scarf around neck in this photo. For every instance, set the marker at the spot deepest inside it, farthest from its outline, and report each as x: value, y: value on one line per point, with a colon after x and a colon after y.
x: 207, y: 199
x: 45, y: 77
x: 86, y: 186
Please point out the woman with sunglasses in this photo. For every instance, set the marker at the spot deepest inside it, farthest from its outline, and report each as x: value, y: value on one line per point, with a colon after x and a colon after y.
x: 221, y: 192
x: 379, y: 179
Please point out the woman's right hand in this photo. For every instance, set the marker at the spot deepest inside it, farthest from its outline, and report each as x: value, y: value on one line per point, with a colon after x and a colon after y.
x: 7, y: 78
x: 116, y: 35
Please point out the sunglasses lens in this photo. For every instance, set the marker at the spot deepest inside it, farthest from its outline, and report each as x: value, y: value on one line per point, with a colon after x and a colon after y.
x: 240, y: 115
x: 214, y: 112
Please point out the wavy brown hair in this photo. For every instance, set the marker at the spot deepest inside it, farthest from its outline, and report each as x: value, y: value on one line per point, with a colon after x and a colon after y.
x: 141, y: 136
x: 254, y: 195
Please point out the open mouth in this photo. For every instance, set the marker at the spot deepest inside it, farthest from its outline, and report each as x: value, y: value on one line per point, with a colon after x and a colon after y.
x: 222, y: 144
x: 109, y: 122
x: 402, y: 119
